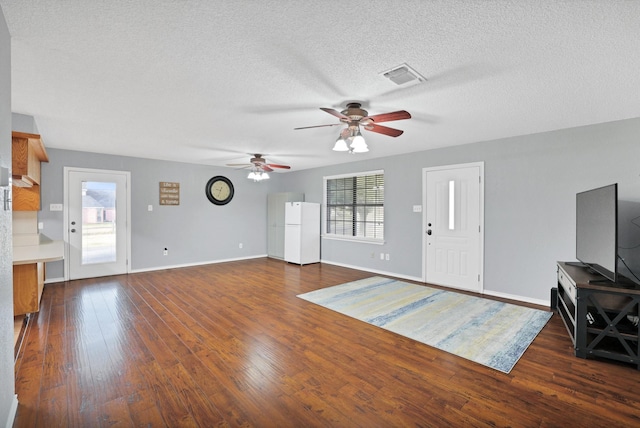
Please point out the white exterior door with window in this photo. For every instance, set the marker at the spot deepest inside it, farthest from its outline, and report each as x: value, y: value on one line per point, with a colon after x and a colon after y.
x: 96, y: 222
x: 453, y: 220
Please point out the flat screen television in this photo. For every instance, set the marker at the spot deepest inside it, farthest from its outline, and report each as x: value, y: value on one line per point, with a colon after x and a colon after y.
x: 597, y: 230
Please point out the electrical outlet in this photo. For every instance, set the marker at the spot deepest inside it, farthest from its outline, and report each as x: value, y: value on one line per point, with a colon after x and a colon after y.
x: 165, y: 252
x: 381, y: 256
x: 40, y: 225
x: 386, y: 257
x: 240, y: 245
x: 149, y: 207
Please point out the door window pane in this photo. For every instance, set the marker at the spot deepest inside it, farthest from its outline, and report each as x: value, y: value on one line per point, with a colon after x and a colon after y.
x: 98, y: 222
x: 452, y: 205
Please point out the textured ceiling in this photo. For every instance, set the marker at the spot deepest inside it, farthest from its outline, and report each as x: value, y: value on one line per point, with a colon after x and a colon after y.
x: 210, y: 81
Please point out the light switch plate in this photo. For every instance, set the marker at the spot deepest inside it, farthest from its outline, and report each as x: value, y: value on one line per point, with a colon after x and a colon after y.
x: 417, y: 208
x: 55, y: 207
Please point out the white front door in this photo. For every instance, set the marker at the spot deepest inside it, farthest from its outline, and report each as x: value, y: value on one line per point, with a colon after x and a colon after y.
x: 96, y: 218
x: 453, y: 236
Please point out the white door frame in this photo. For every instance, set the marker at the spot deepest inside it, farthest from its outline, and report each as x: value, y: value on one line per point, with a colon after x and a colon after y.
x: 479, y: 165
x: 65, y: 215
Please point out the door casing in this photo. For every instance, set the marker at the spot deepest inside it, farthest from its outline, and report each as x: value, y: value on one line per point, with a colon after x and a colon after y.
x: 66, y: 213
x: 425, y: 171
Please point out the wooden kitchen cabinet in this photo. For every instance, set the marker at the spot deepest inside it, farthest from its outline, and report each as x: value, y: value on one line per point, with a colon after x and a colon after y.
x: 28, y: 284
x: 27, y: 153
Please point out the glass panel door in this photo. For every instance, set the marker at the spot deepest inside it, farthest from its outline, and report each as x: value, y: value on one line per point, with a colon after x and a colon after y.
x: 96, y: 203
x: 98, y: 222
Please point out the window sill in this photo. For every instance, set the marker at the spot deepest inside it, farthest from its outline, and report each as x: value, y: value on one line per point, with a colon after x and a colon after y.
x: 354, y: 239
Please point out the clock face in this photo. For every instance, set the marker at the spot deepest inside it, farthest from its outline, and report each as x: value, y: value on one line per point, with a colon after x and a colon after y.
x: 219, y: 190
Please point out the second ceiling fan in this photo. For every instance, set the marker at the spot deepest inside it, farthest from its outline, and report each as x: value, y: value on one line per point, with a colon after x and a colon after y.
x: 259, y: 167
x: 260, y: 163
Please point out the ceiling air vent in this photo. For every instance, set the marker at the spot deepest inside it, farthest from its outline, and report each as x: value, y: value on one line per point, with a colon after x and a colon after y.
x: 403, y: 75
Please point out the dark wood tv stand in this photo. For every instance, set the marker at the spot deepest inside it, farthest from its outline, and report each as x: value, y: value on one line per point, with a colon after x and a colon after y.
x: 597, y: 314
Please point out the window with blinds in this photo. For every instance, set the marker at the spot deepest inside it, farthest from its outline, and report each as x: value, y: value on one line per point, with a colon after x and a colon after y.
x: 355, y: 206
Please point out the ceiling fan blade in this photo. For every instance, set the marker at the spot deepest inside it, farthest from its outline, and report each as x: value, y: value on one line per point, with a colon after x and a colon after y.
x: 239, y: 164
x: 273, y: 165
x: 335, y: 113
x: 265, y: 167
x: 391, y: 132
x: 317, y: 126
x: 388, y: 117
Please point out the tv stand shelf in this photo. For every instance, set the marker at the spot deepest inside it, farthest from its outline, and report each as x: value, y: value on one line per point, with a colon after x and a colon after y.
x: 598, y: 315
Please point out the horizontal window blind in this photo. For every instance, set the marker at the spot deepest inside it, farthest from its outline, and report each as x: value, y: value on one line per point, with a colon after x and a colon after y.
x: 355, y: 206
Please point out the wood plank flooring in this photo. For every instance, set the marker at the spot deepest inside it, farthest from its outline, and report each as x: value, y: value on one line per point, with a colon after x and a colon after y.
x: 230, y: 344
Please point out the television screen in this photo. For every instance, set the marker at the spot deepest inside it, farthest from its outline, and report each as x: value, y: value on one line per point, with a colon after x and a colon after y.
x: 597, y: 230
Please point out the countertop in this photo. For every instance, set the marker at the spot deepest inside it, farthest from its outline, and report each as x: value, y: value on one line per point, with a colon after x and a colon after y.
x: 46, y: 251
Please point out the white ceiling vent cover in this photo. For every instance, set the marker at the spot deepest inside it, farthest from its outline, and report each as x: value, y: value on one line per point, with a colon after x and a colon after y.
x: 403, y: 75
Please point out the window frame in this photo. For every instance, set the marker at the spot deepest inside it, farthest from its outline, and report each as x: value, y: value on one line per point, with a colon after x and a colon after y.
x: 325, y: 233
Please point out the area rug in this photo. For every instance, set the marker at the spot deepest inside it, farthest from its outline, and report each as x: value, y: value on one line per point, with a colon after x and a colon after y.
x: 491, y: 333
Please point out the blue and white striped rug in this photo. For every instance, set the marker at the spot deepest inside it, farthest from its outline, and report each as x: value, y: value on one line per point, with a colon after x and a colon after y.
x: 491, y: 333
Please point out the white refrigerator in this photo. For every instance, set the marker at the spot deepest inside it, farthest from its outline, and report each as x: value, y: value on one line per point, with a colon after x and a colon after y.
x: 302, y: 232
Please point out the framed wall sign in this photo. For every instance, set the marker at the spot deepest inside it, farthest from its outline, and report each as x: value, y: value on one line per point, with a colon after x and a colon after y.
x: 169, y: 193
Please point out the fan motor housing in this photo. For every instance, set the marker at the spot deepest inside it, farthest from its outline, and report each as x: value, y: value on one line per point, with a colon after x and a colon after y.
x: 354, y: 111
x: 257, y: 159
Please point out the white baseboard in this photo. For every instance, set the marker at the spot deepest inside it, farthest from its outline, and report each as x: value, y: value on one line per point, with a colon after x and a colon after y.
x: 418, y: 279
x: 379, y: 272
x: 517, y: 298
x: 376, y: 271
x: 151, y: 269
x: 11, y: 417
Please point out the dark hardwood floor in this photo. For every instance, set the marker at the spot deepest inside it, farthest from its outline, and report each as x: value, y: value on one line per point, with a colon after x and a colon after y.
x: 230, y: 344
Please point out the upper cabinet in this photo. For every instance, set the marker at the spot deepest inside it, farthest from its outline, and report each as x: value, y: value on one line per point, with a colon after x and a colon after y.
x: 27, y: 154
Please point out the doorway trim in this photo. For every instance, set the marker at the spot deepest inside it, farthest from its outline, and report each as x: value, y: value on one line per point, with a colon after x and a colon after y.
x: 65, y: 214
x: 480, y: 166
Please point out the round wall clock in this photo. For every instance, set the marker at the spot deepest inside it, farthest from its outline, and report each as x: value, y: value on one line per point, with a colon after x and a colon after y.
x: 219, y: 190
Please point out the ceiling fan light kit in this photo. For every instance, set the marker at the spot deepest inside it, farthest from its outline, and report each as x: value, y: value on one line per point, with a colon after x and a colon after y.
x: 356, y: 140
x: 258, y: 175
x: 354, y: 116
x: 341, y: 145
x: 358, y: 145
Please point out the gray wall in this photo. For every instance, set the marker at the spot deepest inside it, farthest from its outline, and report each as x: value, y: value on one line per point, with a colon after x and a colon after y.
x: 7, y: 390
x: 23, y: 123
x: 195, y: 232
x: 530, y: 187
